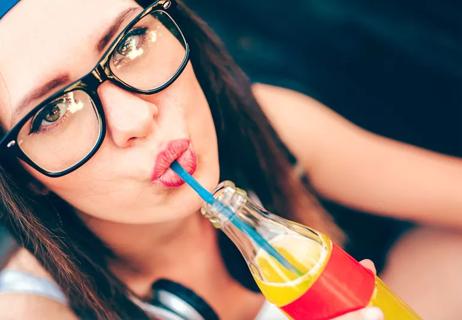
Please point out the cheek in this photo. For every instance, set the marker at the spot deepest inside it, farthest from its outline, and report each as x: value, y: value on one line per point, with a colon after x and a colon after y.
x: 4, y: 102
x: 202, y: 129
x: 187, y: 93
x: 199, y: 117
x: 79, y: 185
x: 67, y: 187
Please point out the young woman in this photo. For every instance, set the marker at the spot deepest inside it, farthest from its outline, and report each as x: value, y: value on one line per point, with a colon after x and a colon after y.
x: 96, y: 102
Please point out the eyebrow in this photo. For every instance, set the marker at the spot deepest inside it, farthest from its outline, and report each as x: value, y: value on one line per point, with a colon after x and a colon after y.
x: 39, y: 92
x: 109, y: 34
x: 62, y: 79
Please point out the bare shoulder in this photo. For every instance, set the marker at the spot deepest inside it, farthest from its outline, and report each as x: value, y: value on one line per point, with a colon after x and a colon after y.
x: 303, y: 123
x: 288, y: 111
x: 25, y: 306
x: 18, y: 306
x: 280, y: 102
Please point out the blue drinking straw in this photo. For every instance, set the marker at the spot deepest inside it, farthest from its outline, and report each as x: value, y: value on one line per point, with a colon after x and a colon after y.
x: 7, y: 5
x: 229, y: 213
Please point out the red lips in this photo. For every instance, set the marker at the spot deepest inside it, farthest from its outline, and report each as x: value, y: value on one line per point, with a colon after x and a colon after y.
x: 179, y: 150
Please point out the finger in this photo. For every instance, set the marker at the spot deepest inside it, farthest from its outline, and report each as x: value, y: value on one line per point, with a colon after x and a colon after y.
x: 368, y: 264
x: 369, y: 313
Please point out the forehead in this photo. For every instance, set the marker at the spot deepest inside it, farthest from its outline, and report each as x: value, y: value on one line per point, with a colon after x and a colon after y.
x: 42, y: 38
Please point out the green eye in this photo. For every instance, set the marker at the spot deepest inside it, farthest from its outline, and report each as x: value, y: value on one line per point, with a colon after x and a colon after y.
x: 131, y: 48
x: 132, y: 42
x: 53, y: 115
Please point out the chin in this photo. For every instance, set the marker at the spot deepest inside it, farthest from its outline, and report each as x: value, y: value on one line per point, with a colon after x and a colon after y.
x: 178, y: 202
x: 184, y: 201
x: 189, y: 204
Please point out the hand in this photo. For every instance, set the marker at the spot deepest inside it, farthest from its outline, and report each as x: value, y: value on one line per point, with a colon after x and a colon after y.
x: 369, y: 313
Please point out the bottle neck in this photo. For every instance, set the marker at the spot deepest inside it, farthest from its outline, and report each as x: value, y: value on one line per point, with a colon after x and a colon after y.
x: 251, y: 227
x: 283, y: 256
x: 237, y: 200
x: 262, y: 221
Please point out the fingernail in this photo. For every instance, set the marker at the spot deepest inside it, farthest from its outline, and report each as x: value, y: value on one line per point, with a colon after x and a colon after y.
x: 372, y: 313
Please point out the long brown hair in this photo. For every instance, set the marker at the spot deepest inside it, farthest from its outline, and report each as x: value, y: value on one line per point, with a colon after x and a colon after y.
x: 251, y: 154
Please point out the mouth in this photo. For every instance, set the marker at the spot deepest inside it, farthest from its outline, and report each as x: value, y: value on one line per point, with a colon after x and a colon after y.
x: 179, y: 150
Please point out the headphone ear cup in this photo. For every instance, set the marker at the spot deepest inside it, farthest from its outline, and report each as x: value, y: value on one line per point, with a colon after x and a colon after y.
x: 181, y: 300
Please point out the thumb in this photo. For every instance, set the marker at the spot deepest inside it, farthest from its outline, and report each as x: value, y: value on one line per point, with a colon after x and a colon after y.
x: 369, y: 313
x: 369, y: 265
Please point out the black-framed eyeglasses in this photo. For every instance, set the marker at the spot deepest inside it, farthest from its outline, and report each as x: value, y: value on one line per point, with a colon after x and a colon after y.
x: 67, y: 129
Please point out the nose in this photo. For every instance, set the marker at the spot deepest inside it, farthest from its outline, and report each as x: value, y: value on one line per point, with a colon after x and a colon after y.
x: 128, y: 116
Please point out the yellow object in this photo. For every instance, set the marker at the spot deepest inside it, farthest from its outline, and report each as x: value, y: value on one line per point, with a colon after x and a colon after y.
x: 282, y: 287
x: 297, y: 268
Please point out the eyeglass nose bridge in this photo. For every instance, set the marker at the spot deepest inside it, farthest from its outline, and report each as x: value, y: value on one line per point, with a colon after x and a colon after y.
x: 97, y: 76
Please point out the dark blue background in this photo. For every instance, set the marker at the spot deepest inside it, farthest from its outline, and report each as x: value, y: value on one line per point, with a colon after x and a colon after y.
x: 392, y: 67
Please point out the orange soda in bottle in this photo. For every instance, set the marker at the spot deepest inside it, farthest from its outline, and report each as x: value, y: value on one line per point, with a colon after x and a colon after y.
x: 328, y: 281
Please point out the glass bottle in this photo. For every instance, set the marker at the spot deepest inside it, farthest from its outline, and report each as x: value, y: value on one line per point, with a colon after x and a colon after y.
x: 329, y: 282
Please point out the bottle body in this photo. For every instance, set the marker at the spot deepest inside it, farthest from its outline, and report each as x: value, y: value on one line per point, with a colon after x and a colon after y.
x: 328, y: 281
x: 333, y: 282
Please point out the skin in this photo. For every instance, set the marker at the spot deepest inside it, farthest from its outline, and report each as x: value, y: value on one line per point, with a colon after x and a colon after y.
x: 133, y: 137
x: 330, y: 148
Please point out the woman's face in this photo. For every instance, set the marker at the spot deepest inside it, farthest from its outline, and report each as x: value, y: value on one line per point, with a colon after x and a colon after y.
x: 41, y: 40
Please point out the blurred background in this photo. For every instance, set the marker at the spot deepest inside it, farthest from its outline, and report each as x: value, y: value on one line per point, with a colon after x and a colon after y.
x: 392, y: 67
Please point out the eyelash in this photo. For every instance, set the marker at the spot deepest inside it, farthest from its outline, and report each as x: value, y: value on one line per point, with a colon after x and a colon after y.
x: 36, y: 123
x: 141, y: 31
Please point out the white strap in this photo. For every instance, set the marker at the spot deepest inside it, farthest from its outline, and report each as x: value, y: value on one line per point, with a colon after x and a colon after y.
x: 270, y: 312
x: 13, y: 281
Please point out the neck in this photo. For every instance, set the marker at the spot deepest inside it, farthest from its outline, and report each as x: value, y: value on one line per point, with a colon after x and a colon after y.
x: 150, y: 252
x: 140, y: 247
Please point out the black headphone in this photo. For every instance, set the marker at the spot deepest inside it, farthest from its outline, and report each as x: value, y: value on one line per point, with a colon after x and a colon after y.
x: 173, y: 301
